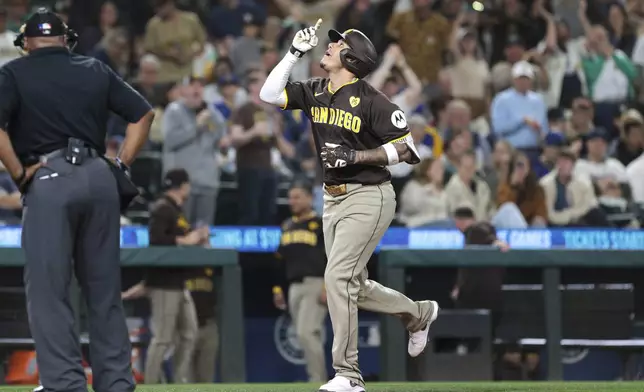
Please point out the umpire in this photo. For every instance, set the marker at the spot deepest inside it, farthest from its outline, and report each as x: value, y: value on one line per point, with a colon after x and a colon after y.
x: 53, y: 111
x: 302, y: 256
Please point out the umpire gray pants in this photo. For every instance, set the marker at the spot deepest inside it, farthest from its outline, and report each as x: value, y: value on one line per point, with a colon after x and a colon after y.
x: 71, y: 224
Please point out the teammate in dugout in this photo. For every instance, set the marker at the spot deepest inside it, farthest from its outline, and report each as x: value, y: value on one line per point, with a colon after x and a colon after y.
x: 357, y: 132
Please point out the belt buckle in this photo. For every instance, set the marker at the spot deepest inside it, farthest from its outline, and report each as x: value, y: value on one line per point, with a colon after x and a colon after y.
x: 336, y: 190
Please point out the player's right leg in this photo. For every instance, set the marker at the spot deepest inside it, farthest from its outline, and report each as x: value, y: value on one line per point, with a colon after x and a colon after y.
x: 353, y: 225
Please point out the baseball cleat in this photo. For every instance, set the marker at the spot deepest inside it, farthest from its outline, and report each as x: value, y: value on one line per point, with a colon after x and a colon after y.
x: 341, y: 384
x: 418, y: 339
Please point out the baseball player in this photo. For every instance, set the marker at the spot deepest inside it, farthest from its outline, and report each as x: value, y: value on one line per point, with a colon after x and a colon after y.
x: 357, y: 132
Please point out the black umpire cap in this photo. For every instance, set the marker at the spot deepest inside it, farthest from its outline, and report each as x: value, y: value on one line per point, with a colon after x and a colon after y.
x: 45, y: 23
x: 175, y: 178
x: 360, y: 58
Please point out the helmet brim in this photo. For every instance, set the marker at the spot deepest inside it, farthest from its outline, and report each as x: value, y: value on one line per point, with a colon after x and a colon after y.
x: 335, y: 35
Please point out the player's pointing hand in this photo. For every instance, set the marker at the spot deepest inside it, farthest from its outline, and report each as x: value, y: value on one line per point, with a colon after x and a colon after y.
x: 306, y: 39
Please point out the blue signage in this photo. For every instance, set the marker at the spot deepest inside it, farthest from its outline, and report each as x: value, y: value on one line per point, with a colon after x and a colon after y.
x: 266, y: 239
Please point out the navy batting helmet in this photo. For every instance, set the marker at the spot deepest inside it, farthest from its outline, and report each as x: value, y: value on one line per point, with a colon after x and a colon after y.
x: 360, y: 57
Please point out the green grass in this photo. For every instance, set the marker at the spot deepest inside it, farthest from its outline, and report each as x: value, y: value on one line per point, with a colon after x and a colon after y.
x: 398, y: 387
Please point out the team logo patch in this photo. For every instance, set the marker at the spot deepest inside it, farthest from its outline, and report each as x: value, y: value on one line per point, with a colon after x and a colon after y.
x: 354, y: 101
x: 313, y: 226
x: 286, y: 341
x: 398, y: 119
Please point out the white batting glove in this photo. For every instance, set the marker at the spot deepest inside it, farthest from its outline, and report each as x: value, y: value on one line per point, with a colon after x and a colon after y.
x: 305, y: 40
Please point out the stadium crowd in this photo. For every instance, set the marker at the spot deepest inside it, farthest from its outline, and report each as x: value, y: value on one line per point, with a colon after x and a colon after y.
x: 528, y: 110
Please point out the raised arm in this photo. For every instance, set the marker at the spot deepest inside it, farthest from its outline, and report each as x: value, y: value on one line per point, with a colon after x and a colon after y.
x: 379, y: 76
x: 274, y: 89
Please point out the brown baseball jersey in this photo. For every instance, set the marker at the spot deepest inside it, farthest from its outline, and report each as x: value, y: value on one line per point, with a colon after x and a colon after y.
x: 356, y: 115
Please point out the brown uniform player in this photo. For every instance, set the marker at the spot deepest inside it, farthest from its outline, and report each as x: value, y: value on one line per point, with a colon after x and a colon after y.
x: 357, y: 132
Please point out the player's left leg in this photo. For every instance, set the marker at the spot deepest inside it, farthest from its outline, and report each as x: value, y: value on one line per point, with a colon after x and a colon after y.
x: 417, y: 317
x: 187, y: 330
x: 309, y: 327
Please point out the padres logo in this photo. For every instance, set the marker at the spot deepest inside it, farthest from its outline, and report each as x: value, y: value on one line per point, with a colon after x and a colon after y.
x: 286, y: 341
x: 571, y: 356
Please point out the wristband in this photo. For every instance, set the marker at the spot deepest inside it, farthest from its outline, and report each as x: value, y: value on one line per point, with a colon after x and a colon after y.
x: 277, y: 290
x: 296, y: 52
x: 392, y: 154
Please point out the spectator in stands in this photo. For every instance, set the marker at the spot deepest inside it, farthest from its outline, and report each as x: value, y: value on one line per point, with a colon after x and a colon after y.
x: 423, y: 201
x: 515, y: 53
x: 520, y: 115
x: 147, y: 78
x: 270, y: 57
x: 8, y: 51
x: 620, y: 29
x: 228, y: 87
x: 360, y: 15
x: 417, y: 125
x: 613, y: 203
x: 466, y: 187
x: 638, y: 54
x: 227, y: 19
x: 609, y: 75
x: 580, y: 123
x: 635, y: 173
x: 423, y: 36
x: 556, y: 121
x: 598, y: 165
x: 522, y: 188
x: 92, y: 35
x: 500, y: 77
x: 253, y: 135
x: 511, y: 25
x: 470, y: 73
x: 631, y: 143
x: 223, y: 70
x: 176, y: 38
x: 246, y: 50
x: 192, y: 135
x: 455, y: 148
x: 500, y: 167
x: 635, y: 10
x: 406, y: 97
x: 10, y: 199
x: 438, y: 110
x: 113, y: 50
x: 562, y: 54
x: 552, y: 145
x: 570, y: 198
x: 459, y: 117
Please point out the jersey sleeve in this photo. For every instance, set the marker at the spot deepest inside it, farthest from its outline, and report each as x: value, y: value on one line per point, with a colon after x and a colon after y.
x: 9, y: 94
x: 126, y: 101
x: 389, y: 123
x: 296, y: 93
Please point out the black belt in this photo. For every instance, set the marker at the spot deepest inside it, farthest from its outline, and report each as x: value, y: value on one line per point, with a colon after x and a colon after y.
x: 87, y: 152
